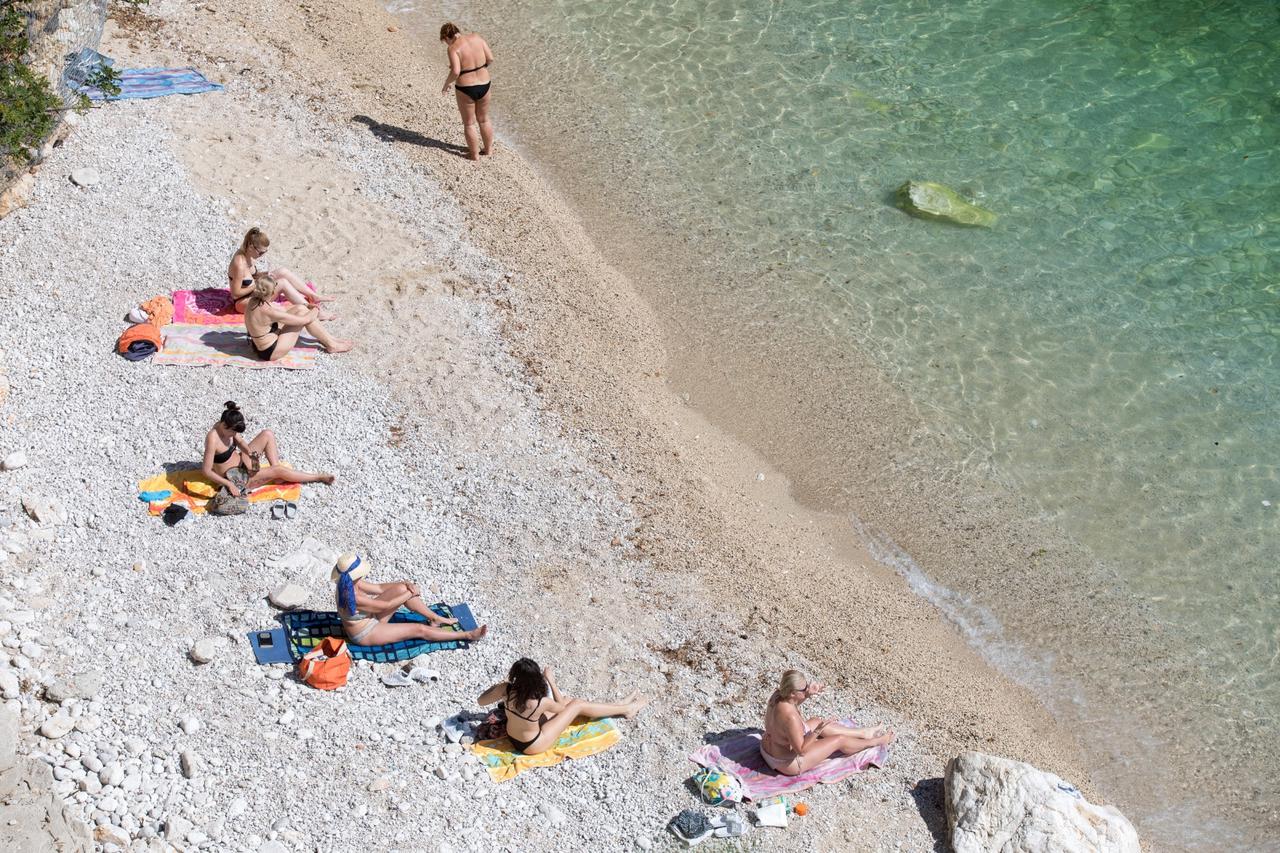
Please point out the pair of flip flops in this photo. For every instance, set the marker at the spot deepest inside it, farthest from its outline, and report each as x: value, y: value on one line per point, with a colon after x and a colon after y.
x: 284, y: 509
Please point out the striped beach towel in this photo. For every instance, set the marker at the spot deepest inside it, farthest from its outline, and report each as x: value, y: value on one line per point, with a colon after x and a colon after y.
x: 583, y: 738
x: 153, y: 83
x: 190, y: 345
x: 306, y: 629
x: 740, y: 755
x: 193, y: 490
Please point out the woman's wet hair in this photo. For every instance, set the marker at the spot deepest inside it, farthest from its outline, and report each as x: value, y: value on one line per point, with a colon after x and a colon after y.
x: 264, y: 287
x: 791, y: 681
x: 254, y: 238
x: 449, y: 31
x: 525, y: 683
x: 231, y: 417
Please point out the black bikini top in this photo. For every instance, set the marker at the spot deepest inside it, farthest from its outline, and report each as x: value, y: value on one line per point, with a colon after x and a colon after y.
x: 477, y: 68
x: 219, y: 458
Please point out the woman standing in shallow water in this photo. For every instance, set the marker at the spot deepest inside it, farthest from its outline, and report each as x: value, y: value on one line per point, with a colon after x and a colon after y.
x: 469, y: 58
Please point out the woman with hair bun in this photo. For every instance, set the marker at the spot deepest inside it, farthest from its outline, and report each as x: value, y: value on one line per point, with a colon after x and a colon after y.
x: 537, y: 713
x: 249, y: 261
x: 235, y: 464
x: 469, y: 59
x: 793, y: 744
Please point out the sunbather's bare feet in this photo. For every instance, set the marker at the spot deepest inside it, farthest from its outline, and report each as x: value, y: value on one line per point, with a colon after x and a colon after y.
x: 886, y: 738
x: 476, y: 633
x: 442, y: 622
x: 315, y: 298
x: 341, y: 346
x: 635, y: 705
x: 329, y: 316
x: 327, y: 479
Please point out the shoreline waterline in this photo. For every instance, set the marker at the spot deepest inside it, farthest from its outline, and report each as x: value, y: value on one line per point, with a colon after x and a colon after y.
x: 1006, y: 532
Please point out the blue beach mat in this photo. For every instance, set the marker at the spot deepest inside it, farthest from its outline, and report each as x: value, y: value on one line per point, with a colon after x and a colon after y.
x: 270, y: 646
x: 306, y: 629
x: 153, y: 83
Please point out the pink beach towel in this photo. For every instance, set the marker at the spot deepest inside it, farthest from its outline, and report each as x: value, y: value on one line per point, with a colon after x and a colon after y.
x: 209, y: 307
x: 740, y: 755
x: 212, y: 306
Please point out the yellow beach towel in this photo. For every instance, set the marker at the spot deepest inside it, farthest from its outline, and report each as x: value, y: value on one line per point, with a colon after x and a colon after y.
x: 585, y: 737
x: 192, y: 489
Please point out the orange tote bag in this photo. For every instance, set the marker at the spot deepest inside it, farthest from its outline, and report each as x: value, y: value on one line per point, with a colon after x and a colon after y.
x: 326, y: 666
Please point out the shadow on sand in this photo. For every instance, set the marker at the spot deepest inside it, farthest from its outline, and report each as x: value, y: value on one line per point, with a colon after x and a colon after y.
x: 391, y: 133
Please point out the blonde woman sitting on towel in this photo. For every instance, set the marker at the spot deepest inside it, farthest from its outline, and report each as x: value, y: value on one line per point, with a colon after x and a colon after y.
x: 793, y: 744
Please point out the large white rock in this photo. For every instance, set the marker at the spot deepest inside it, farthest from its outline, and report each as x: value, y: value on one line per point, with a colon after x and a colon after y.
x: 205, y: 650
x: 288, y: 596
x: 85, y: 177
x: 15, y: 460
x: 997, y: 804
x: 45, y: 510
x: 57, y: 726
x: 9, y: 685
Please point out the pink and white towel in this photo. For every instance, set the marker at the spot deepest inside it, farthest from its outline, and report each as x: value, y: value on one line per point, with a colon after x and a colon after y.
x: 740, y: 755
x: 212, y: 306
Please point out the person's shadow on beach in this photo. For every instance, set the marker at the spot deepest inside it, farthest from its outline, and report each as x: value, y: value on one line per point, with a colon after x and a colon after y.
x: 236, y: 343
x: 391, y: 133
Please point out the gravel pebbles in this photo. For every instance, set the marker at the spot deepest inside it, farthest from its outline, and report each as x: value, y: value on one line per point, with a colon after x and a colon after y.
x: 450, y: 473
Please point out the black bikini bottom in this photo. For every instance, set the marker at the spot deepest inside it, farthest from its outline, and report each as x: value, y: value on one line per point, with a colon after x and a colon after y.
x: 475, y: 93
x: 265, y: 354
x: 520, y: 745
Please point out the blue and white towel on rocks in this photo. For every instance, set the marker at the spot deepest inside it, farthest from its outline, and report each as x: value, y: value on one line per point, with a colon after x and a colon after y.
x: 152, y: 83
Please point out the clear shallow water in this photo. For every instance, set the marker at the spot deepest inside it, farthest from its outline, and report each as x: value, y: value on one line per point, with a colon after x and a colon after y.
x: 1109, y: 348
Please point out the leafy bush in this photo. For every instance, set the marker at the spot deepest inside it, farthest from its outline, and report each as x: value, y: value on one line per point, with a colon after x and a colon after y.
x: 27, y: 101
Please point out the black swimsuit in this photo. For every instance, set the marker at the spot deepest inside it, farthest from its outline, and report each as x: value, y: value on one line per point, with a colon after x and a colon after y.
x: 265, y: 354
x: 522, y: 745
x: 477, y: 91
x: 220, y: 458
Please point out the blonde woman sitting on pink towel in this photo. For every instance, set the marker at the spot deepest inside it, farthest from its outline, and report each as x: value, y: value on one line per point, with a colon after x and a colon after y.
x: 793, y: 745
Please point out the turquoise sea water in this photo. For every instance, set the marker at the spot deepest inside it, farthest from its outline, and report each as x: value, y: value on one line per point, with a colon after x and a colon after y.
x: 1110, y: 346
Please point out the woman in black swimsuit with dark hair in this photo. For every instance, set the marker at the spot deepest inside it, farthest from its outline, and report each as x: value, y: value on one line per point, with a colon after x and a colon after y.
x: 469, y: 58
x: 536, y: 712
x: 229, y: 458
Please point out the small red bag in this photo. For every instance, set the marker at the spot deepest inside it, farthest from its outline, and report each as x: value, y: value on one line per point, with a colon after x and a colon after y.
x: 326, y: 666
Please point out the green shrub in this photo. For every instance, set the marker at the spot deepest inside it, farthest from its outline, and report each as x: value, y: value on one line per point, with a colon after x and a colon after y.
x: 27, y: 101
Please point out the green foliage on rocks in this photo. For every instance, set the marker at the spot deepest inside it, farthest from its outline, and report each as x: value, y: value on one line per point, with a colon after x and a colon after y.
x: 27, y: 101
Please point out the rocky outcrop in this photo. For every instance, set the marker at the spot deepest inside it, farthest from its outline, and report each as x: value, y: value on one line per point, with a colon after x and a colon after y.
x: 936, y: 201
x: 997, y: 804
x: 32, y: 817
x: 55, y: 30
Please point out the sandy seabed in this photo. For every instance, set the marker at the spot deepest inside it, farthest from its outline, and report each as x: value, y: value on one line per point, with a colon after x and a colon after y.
x: 506, y: 431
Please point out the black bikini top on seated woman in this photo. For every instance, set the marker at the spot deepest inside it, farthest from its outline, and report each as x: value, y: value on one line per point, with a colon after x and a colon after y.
x: 522, y: 745
x: 220, y: 458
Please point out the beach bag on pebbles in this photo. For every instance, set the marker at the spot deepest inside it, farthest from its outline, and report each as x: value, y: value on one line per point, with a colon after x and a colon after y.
x: 224, y: 503
x: 718, y: 787
x: 326, y: 666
